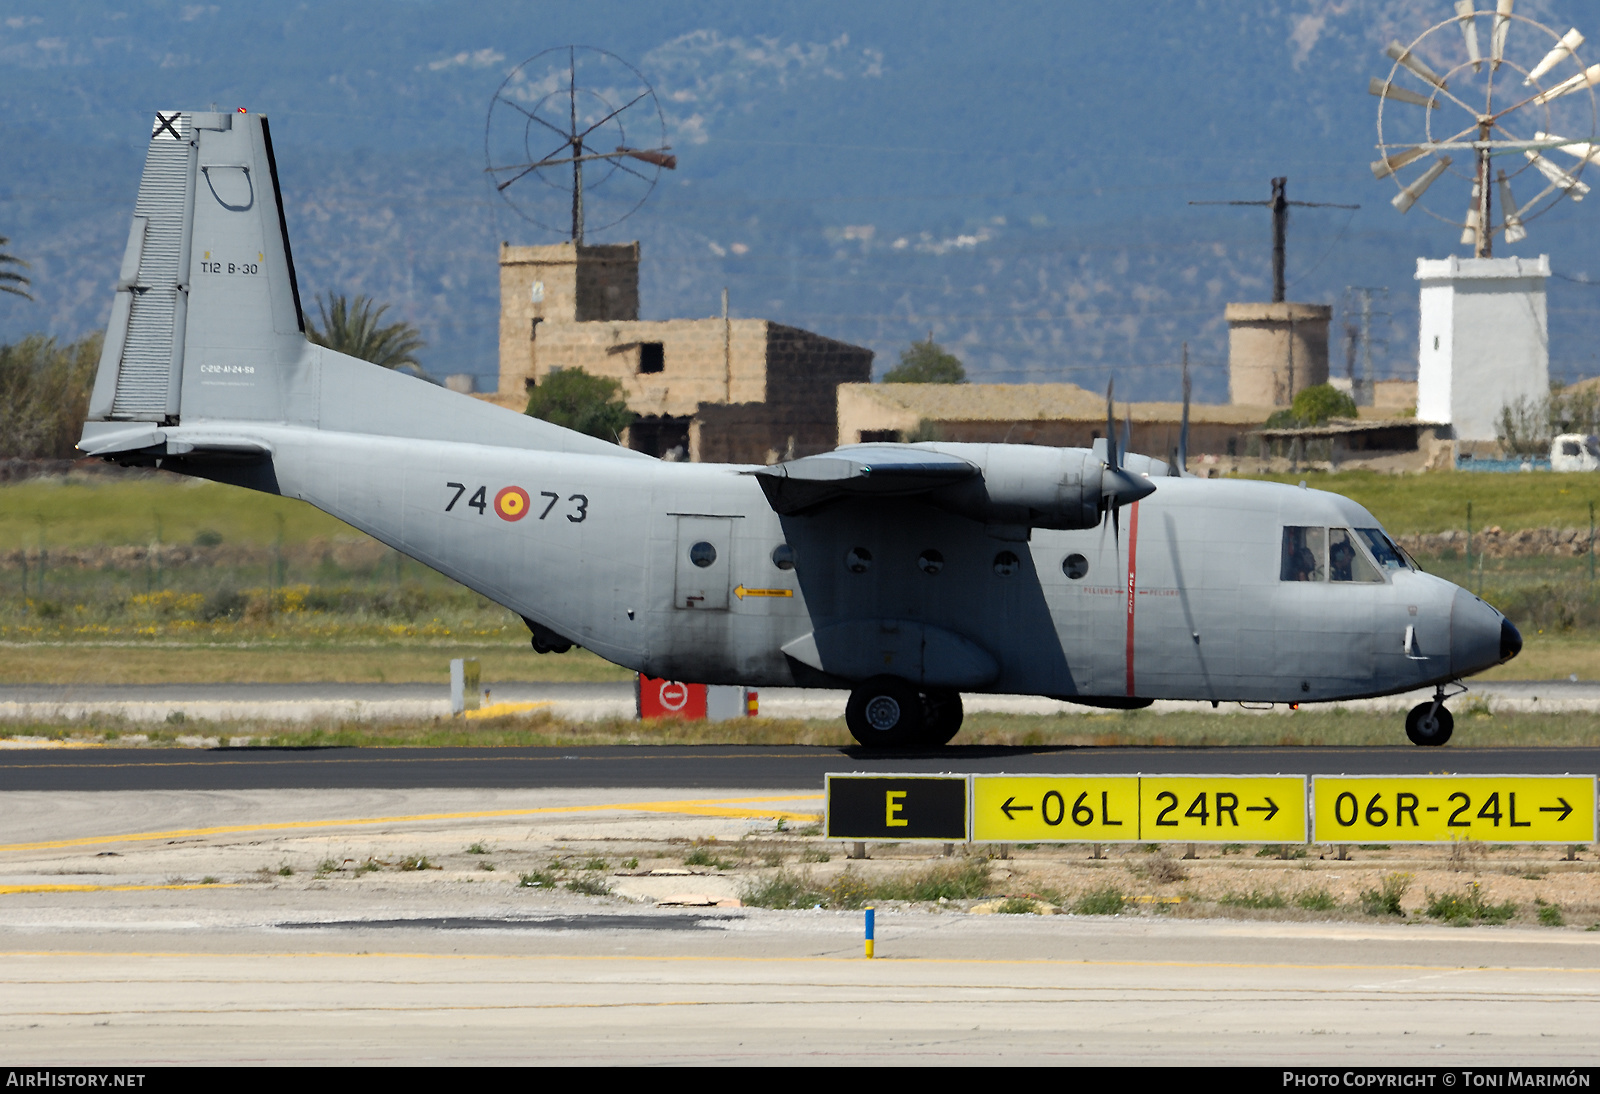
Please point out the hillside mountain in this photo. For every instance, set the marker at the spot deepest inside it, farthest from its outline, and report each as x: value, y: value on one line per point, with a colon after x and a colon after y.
x: 1012, y: 177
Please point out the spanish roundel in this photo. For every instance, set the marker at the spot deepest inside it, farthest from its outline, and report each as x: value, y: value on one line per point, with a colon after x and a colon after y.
x: 511, y: 503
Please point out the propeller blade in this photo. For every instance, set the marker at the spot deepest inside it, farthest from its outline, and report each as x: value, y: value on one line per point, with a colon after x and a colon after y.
x: 1412, y: 64
x: 659, y: 158
x: 1116, y: 528
x: 1183, y: 429
x: 1514, y: 231
x: 1113, y: 459
x: 1587, y: 78
x: 1469, y: 31
x: 1570, y: 41
x: 1497, y: 37
x: 1407, y: 197
x: 1127, y: 430
x: 1574, y: 188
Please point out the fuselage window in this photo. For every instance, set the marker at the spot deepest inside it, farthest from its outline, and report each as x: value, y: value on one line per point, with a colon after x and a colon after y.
x: 930, y: 561
x: 1346, y: 560
x: 1304, y: 554
x: 783, y: 556
x: 702, y: 554
x: 1006, y: 564
x: 858, y: 560
x: 1075, y: 566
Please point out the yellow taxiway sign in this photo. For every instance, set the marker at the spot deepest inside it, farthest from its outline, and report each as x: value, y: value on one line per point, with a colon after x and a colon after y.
x: 1444, y: 808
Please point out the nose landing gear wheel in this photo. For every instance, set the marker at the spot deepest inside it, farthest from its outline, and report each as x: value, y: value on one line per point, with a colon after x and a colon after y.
x: 886, y: 712
x: 1429, y: 724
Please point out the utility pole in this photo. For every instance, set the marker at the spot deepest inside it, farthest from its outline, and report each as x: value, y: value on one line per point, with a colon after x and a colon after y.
x: 1363, y: 388
x: 1279, y: 203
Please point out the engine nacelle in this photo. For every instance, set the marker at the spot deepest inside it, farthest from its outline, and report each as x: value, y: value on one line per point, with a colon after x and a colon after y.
x: 1027, y: 485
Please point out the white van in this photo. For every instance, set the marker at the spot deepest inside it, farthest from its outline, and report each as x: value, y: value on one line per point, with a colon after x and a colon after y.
x: 1575, y: 452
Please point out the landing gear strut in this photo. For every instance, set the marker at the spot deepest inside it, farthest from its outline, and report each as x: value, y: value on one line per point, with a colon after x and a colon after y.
x: 888, y: 712
x: 1430, y: 723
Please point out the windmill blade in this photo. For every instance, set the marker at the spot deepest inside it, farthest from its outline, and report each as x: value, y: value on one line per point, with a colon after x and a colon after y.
x: 1408, y: 196
x: 1581, y: 149
x: 1574, y: 187
x: 1385, y: 90
x: 1587, y: 78
x: 1469, y: 230
x: 1570, y: 41
x: 1382, y: 169
x: 1514, y: 231
x: 1469, y: 31
x: 659, y: 157
x: 1497, y: 37
x: 1412, y: 64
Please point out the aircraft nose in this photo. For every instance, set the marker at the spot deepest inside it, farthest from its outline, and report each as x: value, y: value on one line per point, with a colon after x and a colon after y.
x: 1478, y: 635
x: 1510, y: 641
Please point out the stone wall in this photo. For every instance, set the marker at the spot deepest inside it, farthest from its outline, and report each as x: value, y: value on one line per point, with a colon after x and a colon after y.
x: 1493, y: 542
x: 696, y: 357
x: 1266, y: 342
x: 574, y: 284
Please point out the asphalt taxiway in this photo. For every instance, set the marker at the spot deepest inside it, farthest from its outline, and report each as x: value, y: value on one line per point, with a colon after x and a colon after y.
x: 780, y: 767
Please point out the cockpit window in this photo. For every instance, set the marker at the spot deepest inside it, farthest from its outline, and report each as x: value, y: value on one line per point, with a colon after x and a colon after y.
x: 1304, y: 554
x: 1346, y: 560
x: 1385, y: 550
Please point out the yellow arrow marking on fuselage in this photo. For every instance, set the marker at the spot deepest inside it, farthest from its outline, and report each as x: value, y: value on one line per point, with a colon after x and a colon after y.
x: 741, y: 592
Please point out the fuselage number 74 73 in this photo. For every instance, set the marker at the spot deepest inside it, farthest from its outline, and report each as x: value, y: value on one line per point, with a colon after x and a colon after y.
x: 513, y: 503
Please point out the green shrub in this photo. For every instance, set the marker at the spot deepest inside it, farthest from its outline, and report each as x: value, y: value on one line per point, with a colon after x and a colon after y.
x: 589, y: 886
x: 1255, y: 898
x: 1468, y: 907
x: 702, y: 856
x: 1106, y: 901
x: 537, y: 879
x: 1316, y: 900
x: 1385, y: 900
x: 1550, y: 914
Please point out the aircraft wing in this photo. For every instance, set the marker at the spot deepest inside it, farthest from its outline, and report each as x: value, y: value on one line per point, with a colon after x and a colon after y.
x: 860, y: 471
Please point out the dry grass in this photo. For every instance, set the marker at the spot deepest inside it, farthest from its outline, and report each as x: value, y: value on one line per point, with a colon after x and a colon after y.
x: 1135, y: 729
x: 299, y: 663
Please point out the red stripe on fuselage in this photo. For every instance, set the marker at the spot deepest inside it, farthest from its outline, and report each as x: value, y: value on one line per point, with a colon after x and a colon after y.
x: 1133, y: 582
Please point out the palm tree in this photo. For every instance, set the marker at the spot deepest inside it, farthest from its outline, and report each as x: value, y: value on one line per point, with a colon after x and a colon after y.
x: 353, y: 329
x: 10, y: 281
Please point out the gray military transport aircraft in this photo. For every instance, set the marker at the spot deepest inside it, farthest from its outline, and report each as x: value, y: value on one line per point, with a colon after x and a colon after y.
x: 907, y: 573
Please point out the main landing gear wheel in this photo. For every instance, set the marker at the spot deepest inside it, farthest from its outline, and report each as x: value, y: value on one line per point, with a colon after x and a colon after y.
x: 1429, y: 724
x: 886, y: 712
x: 944, y: 715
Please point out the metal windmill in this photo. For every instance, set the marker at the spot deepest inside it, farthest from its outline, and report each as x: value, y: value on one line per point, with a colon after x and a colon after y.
x: 566, y: 108
x: 1499, y: 114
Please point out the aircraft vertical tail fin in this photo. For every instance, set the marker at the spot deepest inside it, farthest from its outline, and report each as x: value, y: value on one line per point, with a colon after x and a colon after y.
x: 208, y: 328
x: 206, y: 275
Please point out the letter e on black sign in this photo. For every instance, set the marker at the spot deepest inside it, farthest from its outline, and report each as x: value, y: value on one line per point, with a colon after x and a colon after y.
x: 897, y: 807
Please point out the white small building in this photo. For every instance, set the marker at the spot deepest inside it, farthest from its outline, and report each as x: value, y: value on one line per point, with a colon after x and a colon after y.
x: 1484, y: 340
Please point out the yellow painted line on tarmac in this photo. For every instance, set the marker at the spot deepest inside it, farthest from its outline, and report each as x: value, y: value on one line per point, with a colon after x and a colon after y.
x: 6, y: 890
x: 705, y: 807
